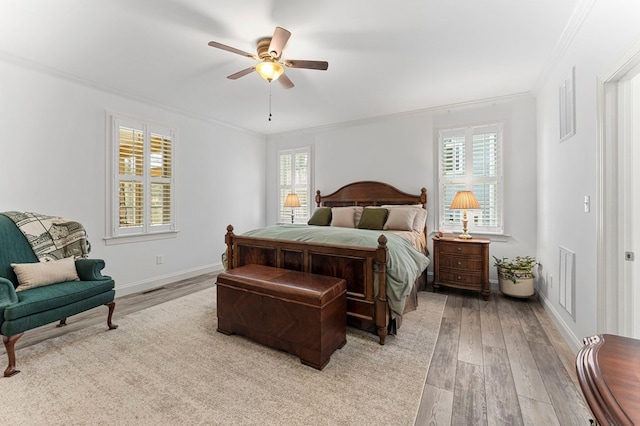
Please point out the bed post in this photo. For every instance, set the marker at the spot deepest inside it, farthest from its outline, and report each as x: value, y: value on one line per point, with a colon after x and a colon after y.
x: 423, y: 197
x: 228, y: 239
x: 381, y: 300
x: 318, y: 198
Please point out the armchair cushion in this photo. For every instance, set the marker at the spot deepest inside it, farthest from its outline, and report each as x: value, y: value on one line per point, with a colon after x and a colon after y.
x: 39, y: 274
x: 41, y: 299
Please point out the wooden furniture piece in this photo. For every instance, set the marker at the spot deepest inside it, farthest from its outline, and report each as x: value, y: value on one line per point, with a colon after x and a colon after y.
x: 461, y: 264
x: 359, y: 266
x: 608, y: 368
x: 300, y: 313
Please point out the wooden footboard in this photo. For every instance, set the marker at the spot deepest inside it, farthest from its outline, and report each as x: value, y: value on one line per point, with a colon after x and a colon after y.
x: 359, y: 266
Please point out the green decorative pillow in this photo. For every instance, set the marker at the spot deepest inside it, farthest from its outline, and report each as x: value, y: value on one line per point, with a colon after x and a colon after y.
x: 321, y: 217
x: 373, y: 218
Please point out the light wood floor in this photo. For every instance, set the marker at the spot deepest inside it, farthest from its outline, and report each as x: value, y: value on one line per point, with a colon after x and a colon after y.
x: 500, y: 362
x: 496, y: 362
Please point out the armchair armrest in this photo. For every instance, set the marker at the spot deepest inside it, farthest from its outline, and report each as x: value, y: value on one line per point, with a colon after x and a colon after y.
x: 7, y: 293
x: 89, y: 269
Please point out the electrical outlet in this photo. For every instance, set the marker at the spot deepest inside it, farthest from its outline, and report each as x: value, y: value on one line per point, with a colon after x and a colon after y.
x: 159, y: 259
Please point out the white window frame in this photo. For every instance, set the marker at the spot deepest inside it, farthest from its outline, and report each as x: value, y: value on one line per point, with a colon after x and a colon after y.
x: 304, y: 190
x: 116, y: 234
x: 451, y: 221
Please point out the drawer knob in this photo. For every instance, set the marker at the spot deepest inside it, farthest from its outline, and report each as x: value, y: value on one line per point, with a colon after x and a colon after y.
x: 459, y: 277
x: 459, y: 248
x: 459, y: 263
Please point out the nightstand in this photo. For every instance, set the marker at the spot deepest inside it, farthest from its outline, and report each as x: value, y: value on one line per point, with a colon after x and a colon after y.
x: 461, y: 264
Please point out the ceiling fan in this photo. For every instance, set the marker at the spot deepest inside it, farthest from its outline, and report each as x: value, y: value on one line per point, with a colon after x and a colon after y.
x: 269, y: 51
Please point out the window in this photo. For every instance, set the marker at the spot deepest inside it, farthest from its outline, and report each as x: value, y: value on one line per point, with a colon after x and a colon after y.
x: 294, y: 176
x: 471, y: 159
x: 142, y: 185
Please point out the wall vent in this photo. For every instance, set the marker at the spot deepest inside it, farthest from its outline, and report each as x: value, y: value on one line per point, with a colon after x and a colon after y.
x: 567, y: 281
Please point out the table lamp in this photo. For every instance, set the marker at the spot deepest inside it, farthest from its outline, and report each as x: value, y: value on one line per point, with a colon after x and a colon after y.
x: 292, y: 201
x: 464, y: 200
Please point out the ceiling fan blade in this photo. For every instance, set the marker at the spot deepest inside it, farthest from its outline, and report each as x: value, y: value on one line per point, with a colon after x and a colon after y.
x: 278, y: 41
x: 241, y: 73
x: 232, y: 49
x: 312, y: 65
x: 285, y: 81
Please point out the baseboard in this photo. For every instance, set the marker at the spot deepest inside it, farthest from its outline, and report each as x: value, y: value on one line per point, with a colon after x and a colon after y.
x: 574, y: 343
x: 154, y: 282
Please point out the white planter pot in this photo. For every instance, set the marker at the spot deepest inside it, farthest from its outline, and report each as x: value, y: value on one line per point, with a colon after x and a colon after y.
x: 523, y: 287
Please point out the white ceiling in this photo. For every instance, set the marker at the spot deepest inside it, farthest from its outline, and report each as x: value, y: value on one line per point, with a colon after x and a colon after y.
x: 385, y: 57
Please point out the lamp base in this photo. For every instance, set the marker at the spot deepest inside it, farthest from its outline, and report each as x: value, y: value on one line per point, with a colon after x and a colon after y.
x: 465, y: 236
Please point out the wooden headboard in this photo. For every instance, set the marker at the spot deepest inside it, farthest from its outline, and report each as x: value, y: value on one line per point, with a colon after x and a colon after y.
x: 369, y: 193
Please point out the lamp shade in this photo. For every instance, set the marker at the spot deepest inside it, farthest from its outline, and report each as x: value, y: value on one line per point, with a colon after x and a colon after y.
x: 292, y: 200
x: 269, y: 70
x: 464, y: 200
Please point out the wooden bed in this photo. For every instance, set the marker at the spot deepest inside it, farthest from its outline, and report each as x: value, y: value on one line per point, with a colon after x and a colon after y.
x: 359, y: 266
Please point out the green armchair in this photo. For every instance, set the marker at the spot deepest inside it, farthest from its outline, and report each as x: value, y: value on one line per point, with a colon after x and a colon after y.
x: 27, y: 309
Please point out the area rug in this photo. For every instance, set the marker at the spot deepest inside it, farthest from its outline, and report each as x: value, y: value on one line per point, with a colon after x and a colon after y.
x: 168, y: 365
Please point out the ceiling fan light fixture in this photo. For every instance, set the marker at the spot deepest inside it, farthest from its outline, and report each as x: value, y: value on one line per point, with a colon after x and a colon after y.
x: 269, y: 70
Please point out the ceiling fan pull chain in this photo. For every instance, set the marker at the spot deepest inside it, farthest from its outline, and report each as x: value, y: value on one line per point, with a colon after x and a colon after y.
x: 269, y: 101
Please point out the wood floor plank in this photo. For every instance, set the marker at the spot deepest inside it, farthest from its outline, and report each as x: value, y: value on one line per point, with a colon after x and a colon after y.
x: 436, y: 406
x: 506, y: 310
x: 503, y: 407
x: 470, y: 299
x: 442, y: 370
x: 470, y: 346
x: 453, y: 307
x: 524, y: 368
x: 535, y: 413
x: 490, y: 325
x: 529, y: 322
x: 567, y: 400
x: 469, y: 396
x: 566, y: 355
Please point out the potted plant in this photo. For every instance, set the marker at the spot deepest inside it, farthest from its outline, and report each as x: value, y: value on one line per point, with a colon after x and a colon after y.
x: 515, y: 276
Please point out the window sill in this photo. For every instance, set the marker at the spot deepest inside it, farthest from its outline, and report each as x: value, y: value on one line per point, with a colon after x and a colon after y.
x: 138, y: 238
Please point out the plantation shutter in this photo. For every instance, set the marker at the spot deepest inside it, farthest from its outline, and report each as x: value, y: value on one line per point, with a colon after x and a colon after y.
x: 144, y: 178
x: 160, y: 169
x: 470, y: 159
x: 294, y: 174
x: 130, y: 177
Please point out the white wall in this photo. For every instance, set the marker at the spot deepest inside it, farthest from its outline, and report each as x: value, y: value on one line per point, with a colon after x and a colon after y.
x: 400, y: 150
x: 52, y: 146
x: 567, y: 171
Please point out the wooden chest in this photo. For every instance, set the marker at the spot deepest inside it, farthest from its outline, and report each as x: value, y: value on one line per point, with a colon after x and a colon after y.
x: 301, y: 313
x: 461, y: 264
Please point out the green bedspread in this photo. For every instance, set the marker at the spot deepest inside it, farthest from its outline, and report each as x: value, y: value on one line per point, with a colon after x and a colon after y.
x: 404, y: 266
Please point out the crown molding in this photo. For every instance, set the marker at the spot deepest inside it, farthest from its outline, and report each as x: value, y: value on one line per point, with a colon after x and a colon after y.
x: 421, y: 111
x: 580, y: 13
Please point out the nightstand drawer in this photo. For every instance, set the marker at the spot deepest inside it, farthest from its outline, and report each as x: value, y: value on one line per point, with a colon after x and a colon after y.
x: 472, y: 280
x: 450, y: 247
x: 469, y: 264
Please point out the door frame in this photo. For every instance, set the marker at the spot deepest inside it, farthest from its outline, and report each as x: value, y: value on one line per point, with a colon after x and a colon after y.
x: 614, y: 275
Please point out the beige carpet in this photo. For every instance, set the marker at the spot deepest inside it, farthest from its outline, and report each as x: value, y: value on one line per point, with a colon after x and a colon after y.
x: 168, y: 365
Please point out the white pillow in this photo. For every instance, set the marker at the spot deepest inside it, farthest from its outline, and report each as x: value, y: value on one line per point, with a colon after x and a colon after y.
x: 419, y: 221
x: 344, y: 216
x: 31, y: 275
x: 400, y: 219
